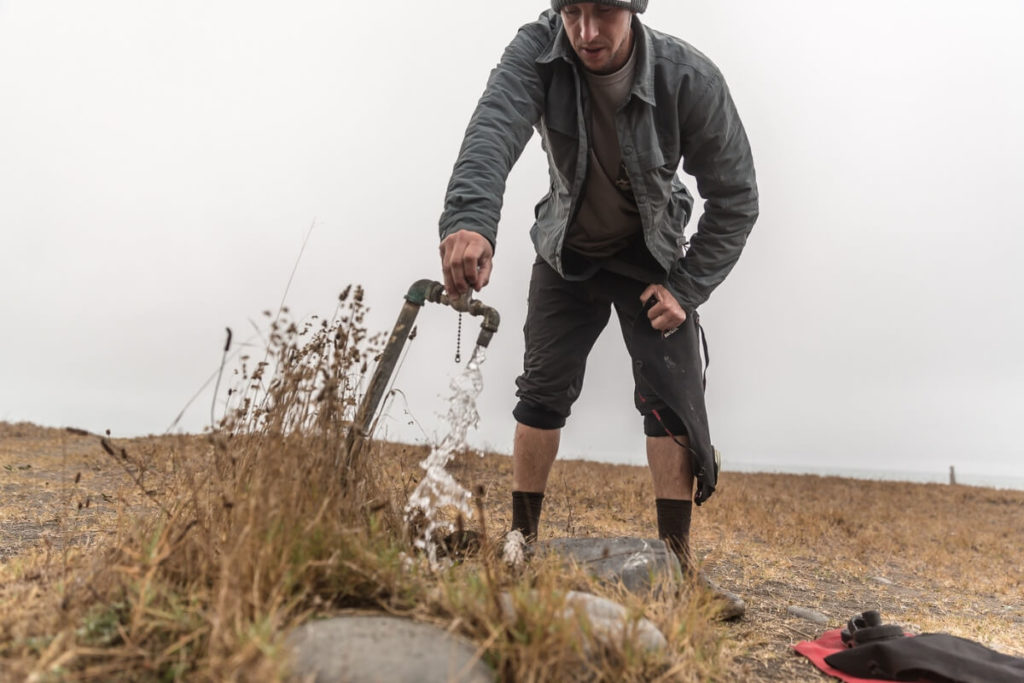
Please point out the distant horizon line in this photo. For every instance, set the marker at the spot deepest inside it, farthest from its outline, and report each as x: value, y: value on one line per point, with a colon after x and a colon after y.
x: 989, y: 480
x: 997, y: 480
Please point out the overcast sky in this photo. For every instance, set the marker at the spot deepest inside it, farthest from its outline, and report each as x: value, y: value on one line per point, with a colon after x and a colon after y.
x: 162, y: 162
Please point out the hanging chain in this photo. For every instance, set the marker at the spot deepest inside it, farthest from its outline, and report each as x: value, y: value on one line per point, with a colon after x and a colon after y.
x: 458, y: 341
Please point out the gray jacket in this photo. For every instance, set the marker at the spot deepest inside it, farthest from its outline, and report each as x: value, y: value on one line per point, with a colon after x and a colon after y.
x: 679, y: 110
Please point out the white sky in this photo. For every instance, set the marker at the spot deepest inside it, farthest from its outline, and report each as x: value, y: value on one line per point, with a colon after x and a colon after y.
x: 161, y: 162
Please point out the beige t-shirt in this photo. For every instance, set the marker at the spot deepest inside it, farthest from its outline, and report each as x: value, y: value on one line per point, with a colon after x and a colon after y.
x: 607, y: 218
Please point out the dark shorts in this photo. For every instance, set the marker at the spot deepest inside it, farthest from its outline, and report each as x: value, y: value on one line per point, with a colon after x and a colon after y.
x: 564, y: 319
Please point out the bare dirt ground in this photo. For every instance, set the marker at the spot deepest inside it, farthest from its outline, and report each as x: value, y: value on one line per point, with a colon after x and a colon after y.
x: 57, y: 488
x: 932, y: 558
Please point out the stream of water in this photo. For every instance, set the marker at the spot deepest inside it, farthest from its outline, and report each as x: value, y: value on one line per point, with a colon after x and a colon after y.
x: 438, y: 489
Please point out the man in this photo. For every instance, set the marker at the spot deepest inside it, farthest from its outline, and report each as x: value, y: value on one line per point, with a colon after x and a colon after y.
x: 618, y: 107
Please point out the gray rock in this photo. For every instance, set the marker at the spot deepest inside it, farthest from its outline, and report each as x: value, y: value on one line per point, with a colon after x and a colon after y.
x: 638, y: 562
x: 808, y: 615
x: 609, y: 621
x: 368, y: 649
x: 603, y: 620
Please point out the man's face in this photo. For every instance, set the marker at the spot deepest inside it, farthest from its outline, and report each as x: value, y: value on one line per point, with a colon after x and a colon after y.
x: 602, y: 36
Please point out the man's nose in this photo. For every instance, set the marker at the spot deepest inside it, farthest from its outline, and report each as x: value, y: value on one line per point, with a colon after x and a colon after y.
x: 588, y: 28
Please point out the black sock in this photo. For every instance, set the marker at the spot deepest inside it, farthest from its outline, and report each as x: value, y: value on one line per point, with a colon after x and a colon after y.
x: 526, y: 513
x: 674, y: 526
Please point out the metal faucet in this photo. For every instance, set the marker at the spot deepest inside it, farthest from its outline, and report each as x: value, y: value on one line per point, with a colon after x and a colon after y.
x: 420, y: 292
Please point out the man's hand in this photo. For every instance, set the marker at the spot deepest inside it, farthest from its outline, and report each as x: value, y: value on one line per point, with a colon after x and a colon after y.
x: 465, y: 261
x: 666, y: 314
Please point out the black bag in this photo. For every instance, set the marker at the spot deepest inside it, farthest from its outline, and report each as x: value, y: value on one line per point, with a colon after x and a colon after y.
x: 935, y: 657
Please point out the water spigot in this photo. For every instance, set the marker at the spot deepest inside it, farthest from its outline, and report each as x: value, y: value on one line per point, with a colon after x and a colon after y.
x: 429, y: 290
x: 419, y: 293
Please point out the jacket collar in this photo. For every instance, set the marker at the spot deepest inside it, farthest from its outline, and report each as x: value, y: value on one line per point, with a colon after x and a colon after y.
x: 643, y: 83
x: 560, y: 47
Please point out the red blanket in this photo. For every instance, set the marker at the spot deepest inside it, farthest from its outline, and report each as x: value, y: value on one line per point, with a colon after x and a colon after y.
x: 816, y: 650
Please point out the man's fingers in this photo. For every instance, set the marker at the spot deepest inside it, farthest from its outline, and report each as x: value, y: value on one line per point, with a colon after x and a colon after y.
x: 470, y: 266
x: 658, y: 310
x: 465, y: 261
x: 445, y: 271
x: 477, y: 268
x: 454, y: 274
x: 458, y: 275
x: 664, y: 322
x: 669, y: 320
x: 665, y: 313
x: 484, y: 276
x: 659, y: 322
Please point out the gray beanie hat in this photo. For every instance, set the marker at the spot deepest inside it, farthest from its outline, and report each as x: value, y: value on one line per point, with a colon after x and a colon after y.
x: 637, y: 6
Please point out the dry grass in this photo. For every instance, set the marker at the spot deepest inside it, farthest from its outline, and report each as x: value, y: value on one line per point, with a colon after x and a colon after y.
x: 191, y: 557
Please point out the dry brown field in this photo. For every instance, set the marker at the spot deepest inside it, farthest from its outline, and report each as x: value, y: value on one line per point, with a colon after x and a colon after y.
x: 157, y: 561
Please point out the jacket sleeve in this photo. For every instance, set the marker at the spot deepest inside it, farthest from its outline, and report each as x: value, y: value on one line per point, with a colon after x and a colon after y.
x: 497, y: 134
x: 716, y: 152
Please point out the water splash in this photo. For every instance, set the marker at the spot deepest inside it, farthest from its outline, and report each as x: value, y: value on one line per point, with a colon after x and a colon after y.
x: 514, y: 551
x: 438, y: 489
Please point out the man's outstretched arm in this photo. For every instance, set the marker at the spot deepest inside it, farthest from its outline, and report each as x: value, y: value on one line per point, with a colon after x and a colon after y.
x: 498, y: 131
